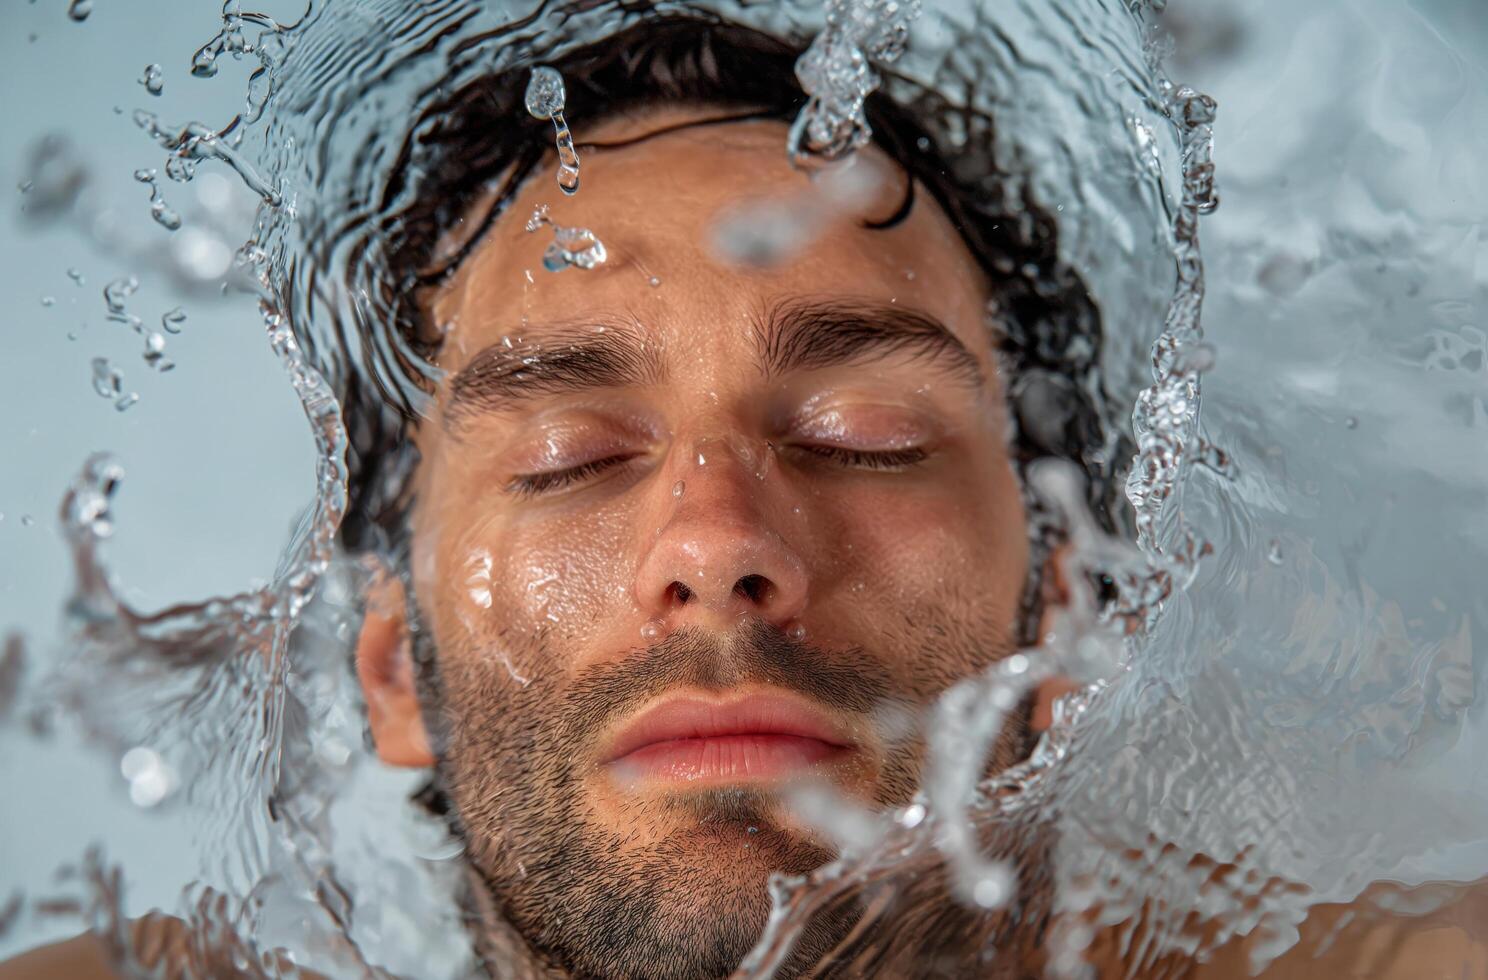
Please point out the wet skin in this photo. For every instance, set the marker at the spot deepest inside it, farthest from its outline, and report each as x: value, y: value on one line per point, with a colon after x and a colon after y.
x: 779, y: 495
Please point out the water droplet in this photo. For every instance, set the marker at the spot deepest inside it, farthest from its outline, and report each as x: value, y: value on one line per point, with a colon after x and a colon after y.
x: 48, y: 300
x: 154, y: 353
x: 79, y: 10
x: 545, y: 92
x: 163, y: 214
x: 150, y: 778
x: 545, y: 100
x: 107, y: 380
x: 152, y: 79
x: 654, y: 281
x: 116, y: 292
x: 126, y: 401
x: 27, y: 520
x: 912, y: 815
x: 651, y: 630
x: 796, y: 632
x: 1350, y: 423
x: 76, y: 275
x: 1273, y: 552
x: 992, y: 890
x: 171, y: 321
x: 678, y: 488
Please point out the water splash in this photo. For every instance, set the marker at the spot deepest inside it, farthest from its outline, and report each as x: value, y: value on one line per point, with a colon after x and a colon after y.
x: 836, y: 73
x: 577, y: 247
x: 1172, y: 444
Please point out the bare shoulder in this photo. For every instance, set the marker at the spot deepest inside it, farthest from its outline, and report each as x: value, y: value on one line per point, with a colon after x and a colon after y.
x: 1360, y: 941
x: 162, y: 944
x: 1440, y: 933
x: 80, y: 957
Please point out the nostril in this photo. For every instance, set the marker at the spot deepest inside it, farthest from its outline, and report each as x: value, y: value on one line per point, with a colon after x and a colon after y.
x: 755, y: 588
x: 679, y: 593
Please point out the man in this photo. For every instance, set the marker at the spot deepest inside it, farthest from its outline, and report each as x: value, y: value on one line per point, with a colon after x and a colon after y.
x: 687, y: 533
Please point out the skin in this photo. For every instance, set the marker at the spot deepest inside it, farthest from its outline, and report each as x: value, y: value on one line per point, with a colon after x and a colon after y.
x: 865, y: 500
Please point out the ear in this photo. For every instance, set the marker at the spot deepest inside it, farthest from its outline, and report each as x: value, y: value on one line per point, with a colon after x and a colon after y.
x: 1055, y: 588
x: 384, y: 661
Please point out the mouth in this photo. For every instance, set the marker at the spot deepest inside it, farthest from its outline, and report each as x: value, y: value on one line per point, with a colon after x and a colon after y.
x: 700, y: 741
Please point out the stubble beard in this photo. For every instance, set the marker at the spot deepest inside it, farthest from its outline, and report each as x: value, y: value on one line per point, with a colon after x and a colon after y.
x: 689, y: 904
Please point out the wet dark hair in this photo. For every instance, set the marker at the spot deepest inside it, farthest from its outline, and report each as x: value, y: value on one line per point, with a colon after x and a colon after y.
x: 466, y: 141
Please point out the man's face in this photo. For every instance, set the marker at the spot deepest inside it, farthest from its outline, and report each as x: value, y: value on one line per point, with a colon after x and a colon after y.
x: 690, y: 534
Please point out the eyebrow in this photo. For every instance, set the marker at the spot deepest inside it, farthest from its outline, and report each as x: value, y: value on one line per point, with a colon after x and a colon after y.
x: 574, y: 357
x: 562, y: 358
x: 803, y: 336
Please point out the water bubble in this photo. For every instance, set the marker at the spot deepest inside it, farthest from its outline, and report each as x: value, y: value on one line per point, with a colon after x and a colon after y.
x: 79, y: 10
x: 651, y: 630
x: 171, y: 320
x: 48, y: 301
x: 1273, y: 552
x: 125, y: 402
x: 27, y: 520
x: 76, y: 276
x: 654, y: 281
x: 1350, y: 422
x: 152, y: 79
x: 796, y: 632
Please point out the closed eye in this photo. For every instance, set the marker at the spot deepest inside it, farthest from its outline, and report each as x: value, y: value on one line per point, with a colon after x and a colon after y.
x: 536, y: 484
x: 888, y: 459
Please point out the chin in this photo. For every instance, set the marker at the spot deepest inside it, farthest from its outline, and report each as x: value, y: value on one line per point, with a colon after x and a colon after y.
x: 734, y: 831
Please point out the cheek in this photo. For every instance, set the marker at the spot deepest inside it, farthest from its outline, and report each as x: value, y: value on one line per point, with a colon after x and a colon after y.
x: 538, y: 591
x: 961, y: 535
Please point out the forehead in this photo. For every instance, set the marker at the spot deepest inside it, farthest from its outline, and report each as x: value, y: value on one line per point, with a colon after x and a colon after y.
x: 658, y: 205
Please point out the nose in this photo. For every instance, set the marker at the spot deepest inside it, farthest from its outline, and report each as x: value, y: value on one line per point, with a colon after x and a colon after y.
x: 717, y: 556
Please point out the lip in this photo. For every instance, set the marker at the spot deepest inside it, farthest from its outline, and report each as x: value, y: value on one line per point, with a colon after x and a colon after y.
x: 754, y: 738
